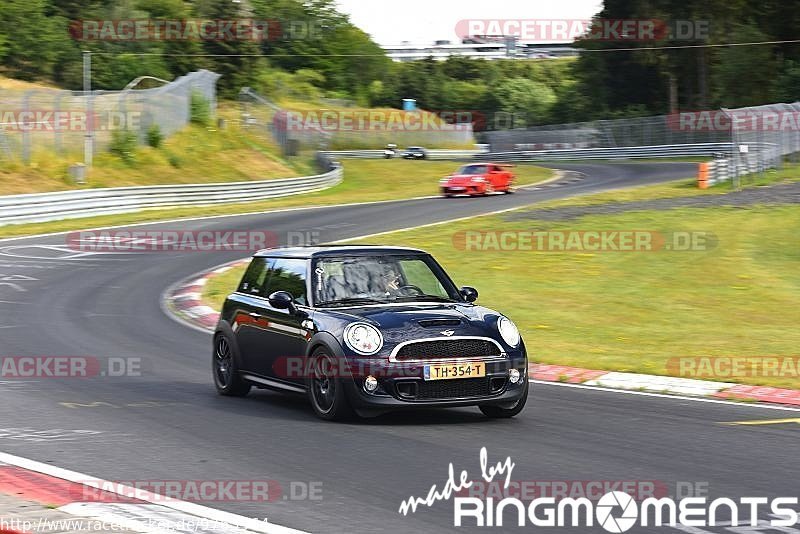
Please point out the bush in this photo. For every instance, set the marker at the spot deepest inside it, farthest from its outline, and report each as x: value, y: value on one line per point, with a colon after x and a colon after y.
x: 154, y: 136
x: 199, y: 110
x: 175, y: 160
x: 123, y: 144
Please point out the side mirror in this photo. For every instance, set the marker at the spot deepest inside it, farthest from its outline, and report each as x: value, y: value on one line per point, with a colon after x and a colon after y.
x: 282, y: 300
x: 470, y: 294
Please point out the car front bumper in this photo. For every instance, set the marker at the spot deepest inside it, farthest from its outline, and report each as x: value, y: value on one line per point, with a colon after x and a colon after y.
x: 404, y: 387
x: 460, y: 190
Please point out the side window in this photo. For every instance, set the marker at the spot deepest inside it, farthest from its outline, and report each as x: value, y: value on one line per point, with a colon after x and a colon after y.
x: 289, y: 275
x: 255, y: 278
x: 418, y: 274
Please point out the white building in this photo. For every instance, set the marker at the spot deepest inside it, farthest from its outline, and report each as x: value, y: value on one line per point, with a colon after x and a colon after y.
x: 480, y: 47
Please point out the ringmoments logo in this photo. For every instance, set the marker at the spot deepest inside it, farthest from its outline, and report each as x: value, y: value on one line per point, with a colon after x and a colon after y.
x: 615, y: 511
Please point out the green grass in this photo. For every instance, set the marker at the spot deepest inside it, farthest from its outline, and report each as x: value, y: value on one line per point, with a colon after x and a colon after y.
x: 677, y: 188
x: 220, y: 286
x: 365, y: 181
x: 632, y: 311
x: 196, y: 154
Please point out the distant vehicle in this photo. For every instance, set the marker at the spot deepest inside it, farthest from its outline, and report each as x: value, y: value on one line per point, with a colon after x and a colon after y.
x: 390, y: 151
x: 415, y: 152
x: 367, y: 329
x: 479, y: 179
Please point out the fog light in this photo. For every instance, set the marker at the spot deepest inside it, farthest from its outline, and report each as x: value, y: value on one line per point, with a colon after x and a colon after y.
x: 513, y: 376
x: 371, y: 383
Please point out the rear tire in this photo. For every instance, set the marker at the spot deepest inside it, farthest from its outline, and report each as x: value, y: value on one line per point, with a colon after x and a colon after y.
x: 227, y: 379
x: 505, y: 412
x: 326, y: 393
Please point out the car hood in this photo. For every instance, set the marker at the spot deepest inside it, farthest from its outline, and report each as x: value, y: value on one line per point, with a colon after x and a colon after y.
x: 462, y: 179
x: 399, y: 323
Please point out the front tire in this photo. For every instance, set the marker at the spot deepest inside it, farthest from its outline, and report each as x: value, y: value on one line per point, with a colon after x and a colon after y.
x: 227, y: 379
x: 326, y: 390
x: 505, y: 412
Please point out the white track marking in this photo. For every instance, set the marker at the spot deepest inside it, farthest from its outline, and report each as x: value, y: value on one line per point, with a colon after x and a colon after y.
x: 67, y: 253
x: 556, y: 176
x: 409, y: 228
x: 193, y: 509
x: 666, y: 396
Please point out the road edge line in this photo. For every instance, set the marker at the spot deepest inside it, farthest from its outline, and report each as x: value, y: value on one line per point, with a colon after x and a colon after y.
x: 198, y: 510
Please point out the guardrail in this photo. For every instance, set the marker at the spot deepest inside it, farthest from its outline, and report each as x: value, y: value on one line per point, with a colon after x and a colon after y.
x: 43, y: 207
x: 656, y: 151
x: 432, y: 154
x: 723, y: 170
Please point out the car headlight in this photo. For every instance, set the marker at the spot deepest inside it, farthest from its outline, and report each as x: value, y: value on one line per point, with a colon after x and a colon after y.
x: 444, y: 180
x: 363, y: 338
x: 508, y: 331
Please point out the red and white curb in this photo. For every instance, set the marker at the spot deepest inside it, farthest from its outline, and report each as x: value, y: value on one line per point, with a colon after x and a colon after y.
x: 664, y: 384
x: 148, y: 513
x: 183, y: 301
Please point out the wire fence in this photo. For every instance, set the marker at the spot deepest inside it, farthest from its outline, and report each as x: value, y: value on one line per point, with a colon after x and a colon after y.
x: 758, y: 138
x: 641, y: 131
x: 61, y: 122
x: 304, y: 132
x: 762, y: 137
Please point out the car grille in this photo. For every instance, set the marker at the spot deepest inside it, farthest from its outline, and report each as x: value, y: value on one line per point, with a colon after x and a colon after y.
x: 462, y: 388
x: 447, y: 348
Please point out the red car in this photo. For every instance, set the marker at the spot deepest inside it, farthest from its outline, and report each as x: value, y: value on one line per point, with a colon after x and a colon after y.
x: 479, y: 179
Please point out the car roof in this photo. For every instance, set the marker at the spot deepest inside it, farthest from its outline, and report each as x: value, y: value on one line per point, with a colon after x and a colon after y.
x: 335, y: 250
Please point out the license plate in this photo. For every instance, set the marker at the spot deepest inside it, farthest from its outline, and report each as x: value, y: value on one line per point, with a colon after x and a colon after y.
x: 455, y: 370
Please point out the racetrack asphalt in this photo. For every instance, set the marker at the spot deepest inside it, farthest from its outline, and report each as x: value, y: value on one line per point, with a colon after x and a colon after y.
x: 169, y: 424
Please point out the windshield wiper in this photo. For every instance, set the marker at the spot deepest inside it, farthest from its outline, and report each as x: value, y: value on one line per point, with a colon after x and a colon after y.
x: 352, y: 300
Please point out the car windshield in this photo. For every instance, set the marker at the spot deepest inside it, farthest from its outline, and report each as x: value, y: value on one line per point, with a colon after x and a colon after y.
x: 380, y: 280
x: 472, y: 169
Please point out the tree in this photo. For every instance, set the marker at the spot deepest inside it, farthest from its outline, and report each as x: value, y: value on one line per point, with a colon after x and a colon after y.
x: 743, y: 74
x: 38, y: 37
x: 525, y: 97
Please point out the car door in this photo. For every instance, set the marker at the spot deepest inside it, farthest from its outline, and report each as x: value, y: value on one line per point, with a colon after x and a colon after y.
x: 281, y: 339
x: 248, y: 321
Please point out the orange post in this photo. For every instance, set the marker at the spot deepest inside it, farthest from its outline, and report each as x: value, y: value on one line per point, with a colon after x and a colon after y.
x: 702, y: 175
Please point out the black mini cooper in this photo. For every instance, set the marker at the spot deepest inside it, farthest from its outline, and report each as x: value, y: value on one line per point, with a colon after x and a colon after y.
x: 366, y: 330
